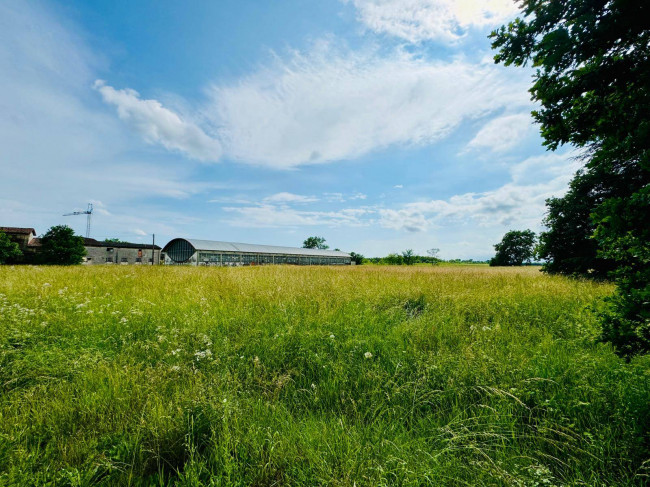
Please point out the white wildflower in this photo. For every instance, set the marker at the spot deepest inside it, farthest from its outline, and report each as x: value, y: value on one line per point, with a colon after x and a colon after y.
x: 203, y: 354
x: 367, y: 355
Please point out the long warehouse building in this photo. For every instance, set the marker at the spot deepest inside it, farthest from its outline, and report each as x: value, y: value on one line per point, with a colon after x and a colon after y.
x: 208, y: 252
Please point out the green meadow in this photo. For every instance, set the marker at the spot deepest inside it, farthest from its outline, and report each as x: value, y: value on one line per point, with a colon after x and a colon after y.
x: 370, y: 375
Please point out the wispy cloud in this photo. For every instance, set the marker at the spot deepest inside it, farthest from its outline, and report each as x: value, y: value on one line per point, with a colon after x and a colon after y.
x: 330, y: 104
x: 440, y: 20
x: 285, y: 197
x: 157, y: 124
x: 518, y: 202
x: 503, y: 133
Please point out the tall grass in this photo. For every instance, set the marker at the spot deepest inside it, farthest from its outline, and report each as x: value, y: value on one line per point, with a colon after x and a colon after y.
x: 313, y: 376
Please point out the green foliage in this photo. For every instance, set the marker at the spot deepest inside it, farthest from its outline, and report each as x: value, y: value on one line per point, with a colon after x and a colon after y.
x: 516, y: 248
x: 358, y: 259
x: 592, y: 65
x: 407, y: 257
x: 369, y: 375
x: 114, y: 240
x: 568, y: 246
x: 393, y: 259
x: 60, y: 246
x: 593, y: 85
x: 624, y: 233
x: 315, y: 243
x: 9, y: 251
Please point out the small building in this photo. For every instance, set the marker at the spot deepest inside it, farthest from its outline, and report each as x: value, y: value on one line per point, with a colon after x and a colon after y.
x: 124, y: 253
x: 213, y: 253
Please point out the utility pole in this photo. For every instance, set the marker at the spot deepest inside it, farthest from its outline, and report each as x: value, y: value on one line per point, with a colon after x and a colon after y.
x: 153, y: 249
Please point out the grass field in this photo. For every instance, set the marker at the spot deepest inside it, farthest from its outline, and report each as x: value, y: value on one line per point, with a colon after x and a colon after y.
x: 313, y: 376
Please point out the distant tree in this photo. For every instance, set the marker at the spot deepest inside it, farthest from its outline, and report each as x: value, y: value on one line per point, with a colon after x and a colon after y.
x: 393, y: 259
x: 9, y: 251
x: 357, y: 258
x: 433, y: 254
x: 60, y: 246
x: 315, y: 243
x: 114, y: 240
x: 408, y: 257
x: 515, y: 248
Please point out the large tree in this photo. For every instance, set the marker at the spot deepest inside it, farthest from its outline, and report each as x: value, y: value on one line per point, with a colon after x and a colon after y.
x: 516, y: 248
x: 60, y: 246
x: 592, y: 82
x: 9, y: 251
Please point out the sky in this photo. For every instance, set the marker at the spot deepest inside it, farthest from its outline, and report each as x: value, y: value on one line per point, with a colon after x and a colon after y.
x: 381, y: 125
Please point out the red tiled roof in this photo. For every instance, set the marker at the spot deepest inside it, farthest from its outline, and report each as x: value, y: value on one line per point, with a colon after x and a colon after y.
x: 19, y: 230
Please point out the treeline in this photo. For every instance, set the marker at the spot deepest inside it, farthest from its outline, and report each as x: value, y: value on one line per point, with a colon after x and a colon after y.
x: 404, y: 259
x: 399, y: 259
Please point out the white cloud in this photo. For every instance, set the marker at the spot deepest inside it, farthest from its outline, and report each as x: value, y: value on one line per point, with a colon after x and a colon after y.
x: 157, y: 124
x: 398, y: 186
x: 521, y: 202
x: 285, y: 197
x: 334, y: 197
x: 325, y: 105
x: 441, y: 20
x: 503, y: 133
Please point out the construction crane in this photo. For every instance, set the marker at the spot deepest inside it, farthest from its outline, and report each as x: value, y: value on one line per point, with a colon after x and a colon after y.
x: 88, y: 214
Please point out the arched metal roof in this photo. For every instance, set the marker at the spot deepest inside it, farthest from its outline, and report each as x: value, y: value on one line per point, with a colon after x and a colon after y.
x: 217, y: 246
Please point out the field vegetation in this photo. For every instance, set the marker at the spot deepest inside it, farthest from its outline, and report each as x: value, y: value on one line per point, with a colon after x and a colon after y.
x: 371, y: 375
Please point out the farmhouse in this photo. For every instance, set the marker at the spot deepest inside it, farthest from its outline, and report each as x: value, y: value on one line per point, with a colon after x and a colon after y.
x: 26, y: 240
x: 208, y: 252
x: 119, y: 253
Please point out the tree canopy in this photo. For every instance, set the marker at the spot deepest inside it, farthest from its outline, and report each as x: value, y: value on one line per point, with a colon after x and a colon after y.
x: 9, y: 251
x: 315, y: 243
x: 516, y: 248
x: 60, y: 246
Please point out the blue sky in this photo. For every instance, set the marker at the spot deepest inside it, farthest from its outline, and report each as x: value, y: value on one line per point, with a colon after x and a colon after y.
x: 381, y: 125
